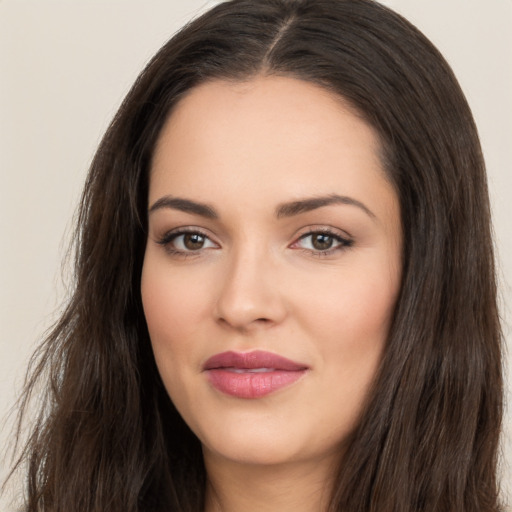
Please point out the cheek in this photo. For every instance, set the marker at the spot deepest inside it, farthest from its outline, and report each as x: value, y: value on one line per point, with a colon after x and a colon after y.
x: 353, y: 305
x: 357, y: 327
x: 173, y: 305
x: 350, y: 321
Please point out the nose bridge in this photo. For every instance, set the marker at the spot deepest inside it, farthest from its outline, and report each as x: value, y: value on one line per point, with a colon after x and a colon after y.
x: 249, y: 291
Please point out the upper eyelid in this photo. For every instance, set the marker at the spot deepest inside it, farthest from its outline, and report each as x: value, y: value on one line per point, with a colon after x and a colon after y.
x: 331, y: 230
x: 183, y: 230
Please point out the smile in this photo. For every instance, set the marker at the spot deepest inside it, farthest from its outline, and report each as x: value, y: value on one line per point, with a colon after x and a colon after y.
x: 252, y: 374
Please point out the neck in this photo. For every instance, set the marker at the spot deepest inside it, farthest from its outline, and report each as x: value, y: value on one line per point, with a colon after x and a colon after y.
x: 297, y: 487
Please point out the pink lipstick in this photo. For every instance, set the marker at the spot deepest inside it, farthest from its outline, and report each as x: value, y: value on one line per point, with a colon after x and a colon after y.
x: 252, y: 374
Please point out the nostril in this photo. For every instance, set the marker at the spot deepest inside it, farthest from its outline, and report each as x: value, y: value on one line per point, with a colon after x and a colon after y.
x: 246, y: 326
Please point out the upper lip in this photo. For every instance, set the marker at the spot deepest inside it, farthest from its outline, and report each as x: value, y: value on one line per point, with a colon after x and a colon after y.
x: 252, y: 360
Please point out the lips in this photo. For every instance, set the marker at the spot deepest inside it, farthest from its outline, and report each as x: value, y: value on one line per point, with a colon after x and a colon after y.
x: 252, y: 374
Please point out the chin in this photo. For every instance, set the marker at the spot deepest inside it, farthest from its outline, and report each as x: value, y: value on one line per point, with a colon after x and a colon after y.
x: 259, y: 451
x: 267, y: 443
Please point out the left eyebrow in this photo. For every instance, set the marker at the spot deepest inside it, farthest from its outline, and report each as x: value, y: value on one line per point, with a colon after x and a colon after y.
x: 309, y: 204
x: 184, y: 205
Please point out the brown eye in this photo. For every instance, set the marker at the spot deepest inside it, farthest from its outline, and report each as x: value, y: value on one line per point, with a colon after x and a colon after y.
x: 187, y: 242
x: 193, y: 241
x: 321, y: 241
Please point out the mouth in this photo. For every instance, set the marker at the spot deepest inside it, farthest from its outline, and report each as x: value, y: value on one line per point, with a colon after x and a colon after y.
x: 252, y: 374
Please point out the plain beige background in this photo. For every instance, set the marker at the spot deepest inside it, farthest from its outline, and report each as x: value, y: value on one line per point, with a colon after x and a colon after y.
x: 64, y: 68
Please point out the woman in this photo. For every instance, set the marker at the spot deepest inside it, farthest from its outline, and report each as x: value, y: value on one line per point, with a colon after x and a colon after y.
x: 285, y: 294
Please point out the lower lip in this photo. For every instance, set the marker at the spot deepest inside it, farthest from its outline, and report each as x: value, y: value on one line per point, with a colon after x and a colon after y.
x: 252, y: 384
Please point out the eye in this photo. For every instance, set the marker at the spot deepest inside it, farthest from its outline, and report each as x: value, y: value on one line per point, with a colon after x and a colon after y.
x: 186, y: 242
x: 322, y: 242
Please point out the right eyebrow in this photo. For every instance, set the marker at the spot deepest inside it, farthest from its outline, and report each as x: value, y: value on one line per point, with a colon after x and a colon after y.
x: 184, y: 205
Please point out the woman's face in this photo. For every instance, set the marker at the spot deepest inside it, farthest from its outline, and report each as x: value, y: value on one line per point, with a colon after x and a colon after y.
x: 272, y: 267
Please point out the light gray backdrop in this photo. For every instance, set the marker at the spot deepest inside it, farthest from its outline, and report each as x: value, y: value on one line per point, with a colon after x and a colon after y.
x: 66, y: 65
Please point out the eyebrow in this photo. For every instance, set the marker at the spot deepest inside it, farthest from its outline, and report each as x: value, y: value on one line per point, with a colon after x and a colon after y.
x: 283, y: 210
x: 184, y: 205
x: 308, y: 204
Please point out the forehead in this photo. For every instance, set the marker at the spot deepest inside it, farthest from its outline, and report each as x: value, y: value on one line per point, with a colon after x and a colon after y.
x: 266, y: 136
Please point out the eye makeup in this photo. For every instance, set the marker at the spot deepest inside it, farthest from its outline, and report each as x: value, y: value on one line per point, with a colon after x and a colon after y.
x: 192, y: 241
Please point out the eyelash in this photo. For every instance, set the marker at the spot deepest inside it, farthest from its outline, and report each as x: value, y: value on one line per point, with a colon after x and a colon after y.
x: 343, y: 243
x: 169, y: 237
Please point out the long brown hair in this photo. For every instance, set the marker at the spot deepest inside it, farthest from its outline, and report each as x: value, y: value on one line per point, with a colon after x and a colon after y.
x: 108, y: 437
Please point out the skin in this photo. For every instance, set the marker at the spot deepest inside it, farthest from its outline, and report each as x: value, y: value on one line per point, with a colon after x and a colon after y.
x: 258, y: 281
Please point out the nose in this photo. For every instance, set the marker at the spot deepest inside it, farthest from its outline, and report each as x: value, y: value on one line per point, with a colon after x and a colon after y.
x: 250, y: 293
